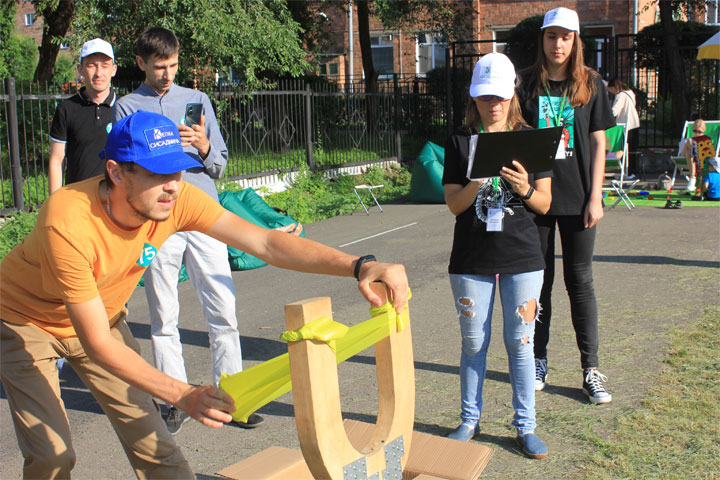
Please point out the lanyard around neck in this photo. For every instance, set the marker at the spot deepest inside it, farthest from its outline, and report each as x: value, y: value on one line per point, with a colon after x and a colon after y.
x: 557, y: 116
x: 495, y: 180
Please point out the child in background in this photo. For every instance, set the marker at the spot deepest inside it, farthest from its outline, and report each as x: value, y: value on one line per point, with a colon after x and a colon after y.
x: 711, y: 182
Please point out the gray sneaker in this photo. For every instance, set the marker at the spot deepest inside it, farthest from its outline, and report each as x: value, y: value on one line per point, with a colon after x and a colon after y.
x: 540, y: 373
x: 174, y: 419
x: 593, y: 386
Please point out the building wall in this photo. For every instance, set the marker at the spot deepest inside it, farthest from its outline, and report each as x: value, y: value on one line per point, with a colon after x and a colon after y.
x: 35, y: 31
x: 616, y: 16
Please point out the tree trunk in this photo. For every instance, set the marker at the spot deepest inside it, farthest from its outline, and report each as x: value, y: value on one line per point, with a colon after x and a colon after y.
x: 676, y: 69
x: 56, y: 24
x: 371, y: 75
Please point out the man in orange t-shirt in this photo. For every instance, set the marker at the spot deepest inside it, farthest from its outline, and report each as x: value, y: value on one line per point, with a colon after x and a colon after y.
x: 65, y: 285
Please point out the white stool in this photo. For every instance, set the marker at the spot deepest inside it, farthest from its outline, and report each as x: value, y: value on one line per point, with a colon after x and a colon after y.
x: 363, y: 193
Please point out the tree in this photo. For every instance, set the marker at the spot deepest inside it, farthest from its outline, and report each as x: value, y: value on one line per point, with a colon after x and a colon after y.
x: 57, y: 16
x: 673, y: 58
x: 249, y: 37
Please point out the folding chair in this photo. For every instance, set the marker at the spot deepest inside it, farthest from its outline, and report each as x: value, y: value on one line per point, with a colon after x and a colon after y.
x: 712, y: 130
x: 363, y: 194
x: 616, y: 141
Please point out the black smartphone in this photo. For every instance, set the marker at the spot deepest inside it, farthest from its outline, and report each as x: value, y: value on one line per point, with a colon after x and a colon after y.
x: 193, y: 111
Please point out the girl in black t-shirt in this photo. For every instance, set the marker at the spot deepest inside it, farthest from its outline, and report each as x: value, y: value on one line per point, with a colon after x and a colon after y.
x: 495, y: 241
x: 560, y: 90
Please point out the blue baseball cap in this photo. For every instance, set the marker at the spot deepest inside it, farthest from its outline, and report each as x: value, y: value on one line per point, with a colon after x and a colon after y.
x: 150, y: 140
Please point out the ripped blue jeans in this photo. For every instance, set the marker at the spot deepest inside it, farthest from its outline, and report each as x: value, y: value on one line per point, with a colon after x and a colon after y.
x: 474, y: 297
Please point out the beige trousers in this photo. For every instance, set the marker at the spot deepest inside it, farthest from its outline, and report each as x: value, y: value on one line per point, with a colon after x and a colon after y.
x: 30, y: 377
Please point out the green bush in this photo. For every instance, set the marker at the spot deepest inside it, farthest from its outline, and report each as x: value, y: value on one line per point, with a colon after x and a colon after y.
x: 13, y: 230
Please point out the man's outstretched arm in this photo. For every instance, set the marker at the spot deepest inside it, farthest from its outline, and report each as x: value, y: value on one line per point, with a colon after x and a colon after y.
x: 297, y: 253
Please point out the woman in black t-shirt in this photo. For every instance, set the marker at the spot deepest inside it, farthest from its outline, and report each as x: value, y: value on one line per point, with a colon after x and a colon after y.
x: 495, y: 240
x: 560, y: 90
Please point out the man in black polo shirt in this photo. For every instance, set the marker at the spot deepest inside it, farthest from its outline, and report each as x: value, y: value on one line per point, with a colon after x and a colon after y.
x: 83, y: 121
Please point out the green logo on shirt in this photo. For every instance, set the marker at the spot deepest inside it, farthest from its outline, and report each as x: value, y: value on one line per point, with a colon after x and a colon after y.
x: 147, y: 255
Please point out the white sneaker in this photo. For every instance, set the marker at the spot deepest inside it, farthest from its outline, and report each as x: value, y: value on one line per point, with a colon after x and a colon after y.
x: 540, y: 373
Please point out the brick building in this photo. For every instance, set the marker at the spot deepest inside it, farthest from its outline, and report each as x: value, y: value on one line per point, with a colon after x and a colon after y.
x: 414, y: 52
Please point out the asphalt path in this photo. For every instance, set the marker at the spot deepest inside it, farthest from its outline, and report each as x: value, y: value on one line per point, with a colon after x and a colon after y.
x: 633, y: 253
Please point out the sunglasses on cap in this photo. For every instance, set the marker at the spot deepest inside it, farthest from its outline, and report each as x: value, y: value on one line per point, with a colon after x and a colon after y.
x: 488, y: 98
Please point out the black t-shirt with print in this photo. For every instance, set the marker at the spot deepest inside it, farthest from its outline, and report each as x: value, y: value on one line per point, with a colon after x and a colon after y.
x: 571, y: 175
x: 475, y: 251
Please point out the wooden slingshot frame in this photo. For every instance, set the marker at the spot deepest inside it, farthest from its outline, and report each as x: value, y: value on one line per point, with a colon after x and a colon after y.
x: 316, y: 394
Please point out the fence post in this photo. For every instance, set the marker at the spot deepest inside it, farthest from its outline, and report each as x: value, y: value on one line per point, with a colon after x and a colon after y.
x: 448, y: 94
x: 308, y: 128
x: 14, y: 140
x: 398, y: 141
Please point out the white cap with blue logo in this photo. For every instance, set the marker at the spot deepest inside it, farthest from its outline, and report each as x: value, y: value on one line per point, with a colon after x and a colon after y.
x: 562, y: 17
x: 97, y: 45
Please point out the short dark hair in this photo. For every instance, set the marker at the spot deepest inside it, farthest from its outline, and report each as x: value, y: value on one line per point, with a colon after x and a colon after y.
x: 157, y: 41
x: 618, y: 84
x: 127, y: 166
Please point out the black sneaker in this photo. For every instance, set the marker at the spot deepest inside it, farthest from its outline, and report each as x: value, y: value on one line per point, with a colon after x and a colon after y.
x: 678, y: 204
x: 540, y: 373
x: 669, y: 204
x: 593, y: 387
x: 174, y: 420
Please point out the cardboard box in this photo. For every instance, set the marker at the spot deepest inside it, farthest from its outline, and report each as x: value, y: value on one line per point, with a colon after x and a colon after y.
x: 430, y: 457
x: 438, y: 457
x: 274, y: 463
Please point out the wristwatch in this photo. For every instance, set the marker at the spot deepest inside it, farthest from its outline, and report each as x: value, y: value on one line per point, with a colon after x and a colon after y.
x: 360, y: 261
x: 529, y: 193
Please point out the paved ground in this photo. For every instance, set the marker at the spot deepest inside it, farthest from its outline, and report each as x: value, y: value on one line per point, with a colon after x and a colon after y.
x: 654, y: 270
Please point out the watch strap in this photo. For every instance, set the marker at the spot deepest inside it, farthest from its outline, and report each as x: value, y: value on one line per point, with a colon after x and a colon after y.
x: 529, y: 193
x: 360, y: 262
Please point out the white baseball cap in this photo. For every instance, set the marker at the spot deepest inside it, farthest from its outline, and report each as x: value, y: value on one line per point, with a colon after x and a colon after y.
x: 494, y: 74
x: 97, y: 45
x: 714, y: 162
x: 562, y: 17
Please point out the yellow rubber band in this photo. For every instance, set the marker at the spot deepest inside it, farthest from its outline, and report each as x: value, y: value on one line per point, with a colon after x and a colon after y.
x: 259, y: 385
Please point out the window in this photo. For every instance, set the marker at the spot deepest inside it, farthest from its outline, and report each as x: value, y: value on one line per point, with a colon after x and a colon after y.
x: 382, y: 54
x: 598, y: 47
x: 712, y: 16
x: 430, y: 52
x: 64, y: 46
x: 500, y: 38
x: 329, y: 69
x: 29, y: 19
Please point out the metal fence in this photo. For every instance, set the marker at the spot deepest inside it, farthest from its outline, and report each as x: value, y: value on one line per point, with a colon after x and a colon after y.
x: 616, y: 57
x: 319, y: 125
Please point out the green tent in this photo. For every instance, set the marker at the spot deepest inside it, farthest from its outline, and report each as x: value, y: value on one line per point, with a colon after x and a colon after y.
x: 251, y: 207
x: 426, y: 182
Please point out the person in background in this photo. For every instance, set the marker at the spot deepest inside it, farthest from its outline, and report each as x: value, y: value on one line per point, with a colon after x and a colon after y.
x: 624, y: 109
x: 482, y: 250
x: 82, y: 122
x: 205, y: 259
x: 711, y: 182
x: 691, y: 151
x: 560, y: 90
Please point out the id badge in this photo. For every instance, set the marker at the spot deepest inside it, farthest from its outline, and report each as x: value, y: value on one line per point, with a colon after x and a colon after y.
x: 560, y: 154
x: 495, y: 220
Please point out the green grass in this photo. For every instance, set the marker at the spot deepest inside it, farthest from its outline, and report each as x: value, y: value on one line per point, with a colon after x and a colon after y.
x: 676, y: 433
x: 659, y: 197
x: 313, y: 198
